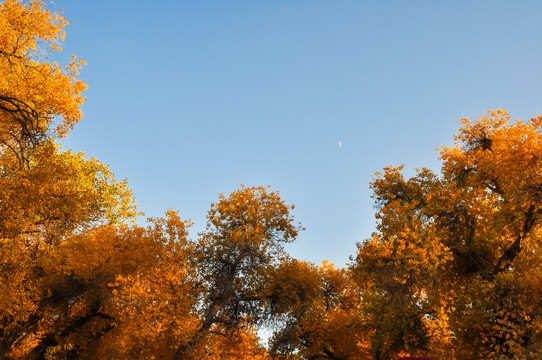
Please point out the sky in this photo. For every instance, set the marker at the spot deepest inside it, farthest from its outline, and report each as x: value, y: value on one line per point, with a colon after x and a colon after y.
x: 190, y: 99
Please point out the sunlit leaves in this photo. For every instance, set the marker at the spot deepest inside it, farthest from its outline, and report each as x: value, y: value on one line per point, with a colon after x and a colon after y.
x: 316, y: 312
x: 456, y: 252
x: 452, y: 271
x: 35, y: 93
x: 244, y: 237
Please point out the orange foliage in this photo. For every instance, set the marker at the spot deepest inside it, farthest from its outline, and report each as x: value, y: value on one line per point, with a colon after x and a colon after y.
x: 33, y: 92
x: 453, y: 270
x: 457, y: 257
x: 244, y: 238
x: 318, y: 308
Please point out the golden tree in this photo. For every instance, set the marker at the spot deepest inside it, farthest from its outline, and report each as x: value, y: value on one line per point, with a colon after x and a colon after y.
x: 316, y: 312
x: 48, y: 197
x: 244, y: 238
x: 455, y: 267
x: 87, y: 299
x: 34, y: 93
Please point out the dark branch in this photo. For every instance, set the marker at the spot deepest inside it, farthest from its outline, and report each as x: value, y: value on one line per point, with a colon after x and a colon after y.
x: 513, y: 251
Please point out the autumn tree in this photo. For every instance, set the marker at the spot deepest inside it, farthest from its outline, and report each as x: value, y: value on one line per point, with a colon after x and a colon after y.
x: 57, y: 196
x: 455, y: 266
x: 315, y: 313
x: 88, y: 290
x: 244, y: 237
x: 35, y: 94
x: 48, y: 196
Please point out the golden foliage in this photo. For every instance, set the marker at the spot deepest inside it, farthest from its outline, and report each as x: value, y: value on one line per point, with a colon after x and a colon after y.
x: 457, y: 252
x: 34, y: 93
x: 87, y: 298
x: 318, y: 308
x: 453, y: 271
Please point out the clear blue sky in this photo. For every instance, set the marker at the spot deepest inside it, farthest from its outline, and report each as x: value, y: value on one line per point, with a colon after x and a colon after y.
x: 189, y: 99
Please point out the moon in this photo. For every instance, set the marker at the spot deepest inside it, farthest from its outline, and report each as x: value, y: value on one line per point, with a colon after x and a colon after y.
x: 340, y: 143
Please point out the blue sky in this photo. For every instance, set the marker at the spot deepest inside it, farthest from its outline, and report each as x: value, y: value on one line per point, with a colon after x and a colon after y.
x: 189, y: 99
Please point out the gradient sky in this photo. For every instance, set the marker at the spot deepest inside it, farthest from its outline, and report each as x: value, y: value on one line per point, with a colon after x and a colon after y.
x: 189, y: 99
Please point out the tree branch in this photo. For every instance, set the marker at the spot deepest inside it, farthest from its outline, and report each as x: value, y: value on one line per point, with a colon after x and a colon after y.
x: 513, y: 251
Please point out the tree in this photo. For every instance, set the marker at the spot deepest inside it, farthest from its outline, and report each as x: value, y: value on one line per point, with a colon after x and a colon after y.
x: 93, y: 299
x: 48, y: 197
x: 455, y: 263
x: 34, y: 93
x: 43, y: 205
x: 244, y: 237
x: 154, y: 306
x: 316, y: 311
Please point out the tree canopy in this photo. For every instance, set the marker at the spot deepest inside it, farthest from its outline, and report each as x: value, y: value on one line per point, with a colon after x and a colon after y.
x: 453, y: 270
x: 455, y: 263
x: 35, y: 94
